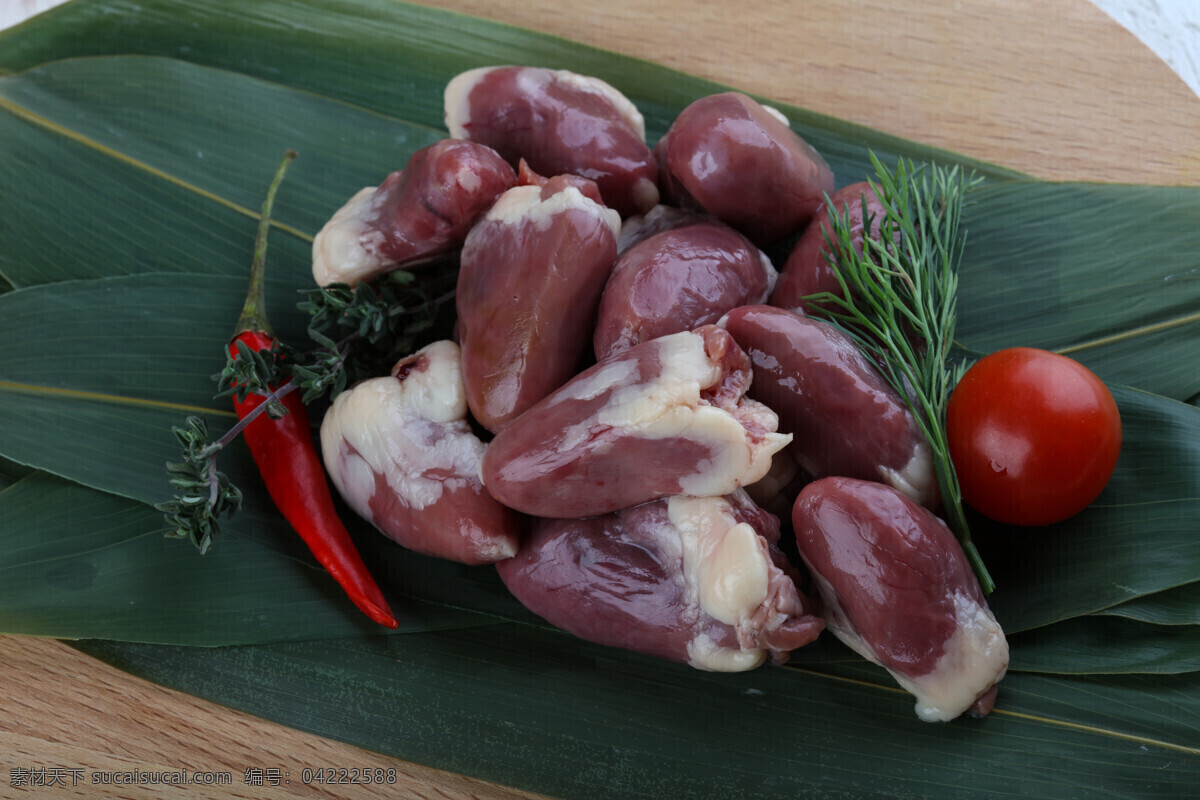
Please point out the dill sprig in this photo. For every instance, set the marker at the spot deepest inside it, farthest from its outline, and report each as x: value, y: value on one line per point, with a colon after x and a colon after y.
x: 898, y: 303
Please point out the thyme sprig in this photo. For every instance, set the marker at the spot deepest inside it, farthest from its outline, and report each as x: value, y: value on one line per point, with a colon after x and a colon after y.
x: 364, y: 330
x: 253, y: 372
x: 359, y: 333
x: 380, y: 324
x: 898, y: 303
x: 203, y: 493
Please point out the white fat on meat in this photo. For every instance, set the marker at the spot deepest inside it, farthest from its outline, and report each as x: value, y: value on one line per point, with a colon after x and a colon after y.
x: 670, y: 406
x: 771, y: 273
x: 456, y: 98
x: 974, y: 658
x: 916, y: 479
x: 776, y: 113
x: 726, y: 574
x: 456, y: 101
x: 705, y: 654
x: 346, y: 249
x: 613, y: 96
x: 524, y: 205
x: 413, y: 431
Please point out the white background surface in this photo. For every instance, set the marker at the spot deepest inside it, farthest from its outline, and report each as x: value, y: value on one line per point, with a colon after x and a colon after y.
x: 1171, y: 28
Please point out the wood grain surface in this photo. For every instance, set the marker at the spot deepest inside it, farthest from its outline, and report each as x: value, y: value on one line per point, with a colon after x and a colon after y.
x: 1060, y: 93
x: 1058, y: 90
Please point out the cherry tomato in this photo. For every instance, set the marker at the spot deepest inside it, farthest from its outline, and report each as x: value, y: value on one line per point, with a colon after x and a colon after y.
x: 1034, y: 436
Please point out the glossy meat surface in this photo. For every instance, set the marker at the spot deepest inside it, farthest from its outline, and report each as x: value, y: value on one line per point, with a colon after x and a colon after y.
x: 845, y: 418
x: 739, y: 161
x: 694, y: 580
x: 665, y: 417
x: 422, y: 211
x: 403, y: 456
x: 531, y: 277
x: 560, y: 122
x: 677, y: 280
x: 896, y: 588
x: 808, y: 270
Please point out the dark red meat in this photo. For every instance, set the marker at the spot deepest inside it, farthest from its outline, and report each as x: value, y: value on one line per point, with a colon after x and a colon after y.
x: 694, y: 580
x: 844, y: 417
x: 665, y: 417
x: 808, y: 270
x: 678, y: 280
x: 896, y: 587
x: 532, y: 273
x: 730, y: 156
x: 422, y: 211
x: 559, y: 122
x: 402, y: 454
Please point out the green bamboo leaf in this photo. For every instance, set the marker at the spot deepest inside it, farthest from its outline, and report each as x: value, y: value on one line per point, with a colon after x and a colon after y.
x: 1134, y: 706
x: 587, y: 720
x: 1177, y: 606
x: 399, y: 61
x: 1103, y: 644
x: 82, y: 563
x: 1140, y: 531
x: 11, y: 471
x: 110, y: 365
x: 1108, y: 274
x: 173, y: 119
x: 75, y: 211
x: 580, y: 721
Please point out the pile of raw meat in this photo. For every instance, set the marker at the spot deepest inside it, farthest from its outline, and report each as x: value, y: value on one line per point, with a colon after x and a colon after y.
x: 634, y: 395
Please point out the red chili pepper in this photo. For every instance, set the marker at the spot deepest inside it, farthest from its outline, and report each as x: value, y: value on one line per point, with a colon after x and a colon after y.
x: 287, y: 459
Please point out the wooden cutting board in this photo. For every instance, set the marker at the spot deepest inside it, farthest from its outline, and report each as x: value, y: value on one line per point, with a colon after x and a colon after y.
x: 1057, y: 90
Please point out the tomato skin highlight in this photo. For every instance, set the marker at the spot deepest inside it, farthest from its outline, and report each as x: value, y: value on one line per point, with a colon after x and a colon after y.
x: 1034, y: 436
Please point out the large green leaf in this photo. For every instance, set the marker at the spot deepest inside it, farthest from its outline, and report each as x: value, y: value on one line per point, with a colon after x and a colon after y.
x: 98, y: 362
x: 166, y: 132
x: 74, y: 211
x: 78, y: 562
x: 581, y: 721
x: 1104, y: 644
x: 119, y: 169
x: 1138, y: 537
x: 11, y: 472
x: 1155, y: 706
x: 1178, y: 606
x: 108, y: 366
x: 393, y: 58
x: 1107, y: 273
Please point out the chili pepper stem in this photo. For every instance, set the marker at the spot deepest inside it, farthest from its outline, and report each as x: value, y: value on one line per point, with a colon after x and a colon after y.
x: 283, y: 448
x: 254, y: 312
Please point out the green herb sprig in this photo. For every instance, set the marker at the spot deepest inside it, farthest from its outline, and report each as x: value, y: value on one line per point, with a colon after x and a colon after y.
x: 203, y: 493
x: 359, y: 333
x: 380, y: 324
x: 897, y: 302
x: 364, y: 330
x: 253, y: 372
